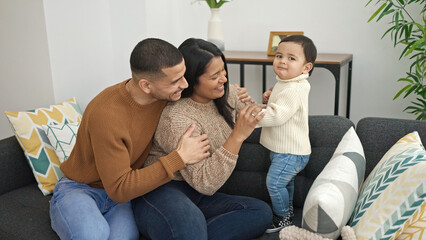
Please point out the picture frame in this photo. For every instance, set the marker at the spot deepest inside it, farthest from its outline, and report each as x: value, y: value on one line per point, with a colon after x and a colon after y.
x: 275, y: 38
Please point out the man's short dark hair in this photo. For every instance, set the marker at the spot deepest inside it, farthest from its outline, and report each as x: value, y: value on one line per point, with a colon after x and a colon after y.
x: 151, y: 55
x: 308, y: 46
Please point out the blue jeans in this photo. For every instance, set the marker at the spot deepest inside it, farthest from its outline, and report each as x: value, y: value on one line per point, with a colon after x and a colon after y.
x: 280, y: 180
x: 177, y: 211
x: 78, y: 211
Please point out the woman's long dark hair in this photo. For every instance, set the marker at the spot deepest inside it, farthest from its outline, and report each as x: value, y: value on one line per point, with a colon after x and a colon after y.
x: 197, y: 54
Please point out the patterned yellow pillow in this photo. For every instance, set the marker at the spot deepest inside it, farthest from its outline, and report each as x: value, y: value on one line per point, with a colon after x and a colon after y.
x: 415, y: 227
x: 393, y: 193
x: 41, y: 156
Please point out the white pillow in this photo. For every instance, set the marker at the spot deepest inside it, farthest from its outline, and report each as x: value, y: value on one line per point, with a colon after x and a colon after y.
x: 332, y: 197
x: 62, y: 138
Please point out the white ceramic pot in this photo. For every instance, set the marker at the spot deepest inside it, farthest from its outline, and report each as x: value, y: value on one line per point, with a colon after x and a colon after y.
x: 215, y: 31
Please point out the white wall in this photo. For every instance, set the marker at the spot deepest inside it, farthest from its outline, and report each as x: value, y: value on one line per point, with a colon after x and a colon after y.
x: 25, y: 73
x: 90, y: 42
x: 336, y: 27
x: 80, y: 45
x: 128, y: 27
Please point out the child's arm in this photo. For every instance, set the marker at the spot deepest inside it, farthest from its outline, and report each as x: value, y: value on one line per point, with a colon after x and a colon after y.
x: 282, y: 109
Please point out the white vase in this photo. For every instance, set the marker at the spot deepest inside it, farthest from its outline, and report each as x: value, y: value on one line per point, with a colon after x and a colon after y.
x: 215, y: 31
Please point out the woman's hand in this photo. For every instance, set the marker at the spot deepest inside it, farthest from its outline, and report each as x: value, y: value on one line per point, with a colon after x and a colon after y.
x: 243, y: 95
x: 247, y: 119
x: 266, y: 95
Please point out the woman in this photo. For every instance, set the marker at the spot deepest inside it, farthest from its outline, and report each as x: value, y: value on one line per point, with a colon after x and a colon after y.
x: 190, y: 207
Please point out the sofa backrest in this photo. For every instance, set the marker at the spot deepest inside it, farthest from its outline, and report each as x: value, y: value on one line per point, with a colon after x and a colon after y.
x: 377, y: 135
x: 249, y: 176
x: 14, y: 169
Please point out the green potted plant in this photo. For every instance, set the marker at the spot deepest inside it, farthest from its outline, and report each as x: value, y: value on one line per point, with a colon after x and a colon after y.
x: 408, y: 30
x: 216, y: 4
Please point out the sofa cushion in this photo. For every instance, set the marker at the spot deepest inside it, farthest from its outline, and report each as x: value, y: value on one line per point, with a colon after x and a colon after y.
x: 27, y: 126
x: 14, y: 169
x: 62, y: 138
x: 252, y: 166
x: 393, y: 191
x: 333, y: 195
x: 25, y: 214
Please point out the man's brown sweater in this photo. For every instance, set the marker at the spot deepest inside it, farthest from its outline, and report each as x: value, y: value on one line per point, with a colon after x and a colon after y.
x: 113, y: 142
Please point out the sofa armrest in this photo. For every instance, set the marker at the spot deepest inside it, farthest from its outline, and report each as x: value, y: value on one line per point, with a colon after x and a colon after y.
x: 14, y: 169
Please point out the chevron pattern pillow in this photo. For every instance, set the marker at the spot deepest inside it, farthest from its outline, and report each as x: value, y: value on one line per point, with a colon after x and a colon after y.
x: 393, y: 195
x: 332, y: 197
x: 415, y: 227
x: 27, y: 126
x: 62, y: 138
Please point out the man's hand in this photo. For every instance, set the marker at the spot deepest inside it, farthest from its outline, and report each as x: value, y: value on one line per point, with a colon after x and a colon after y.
x: 266, y: 95
x: 193, y: 149
x: 243, y: 95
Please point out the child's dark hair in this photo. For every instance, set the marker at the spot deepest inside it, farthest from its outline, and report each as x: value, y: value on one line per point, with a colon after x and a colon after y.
x: 308, y: 46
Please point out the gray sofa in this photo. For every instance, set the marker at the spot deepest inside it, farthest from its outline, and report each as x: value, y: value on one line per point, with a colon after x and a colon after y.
x: 24, y: 211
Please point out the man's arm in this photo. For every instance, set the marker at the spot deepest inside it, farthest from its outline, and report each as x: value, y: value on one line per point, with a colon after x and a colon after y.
x: 124, y: 182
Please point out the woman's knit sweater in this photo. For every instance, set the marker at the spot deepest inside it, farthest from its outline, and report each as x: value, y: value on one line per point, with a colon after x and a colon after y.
x: 208, y: 175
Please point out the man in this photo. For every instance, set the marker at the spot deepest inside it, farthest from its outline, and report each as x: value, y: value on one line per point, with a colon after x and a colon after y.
x: 104, y: 171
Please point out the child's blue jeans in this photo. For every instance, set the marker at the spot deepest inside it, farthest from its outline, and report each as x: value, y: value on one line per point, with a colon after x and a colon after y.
x: 280, y: 180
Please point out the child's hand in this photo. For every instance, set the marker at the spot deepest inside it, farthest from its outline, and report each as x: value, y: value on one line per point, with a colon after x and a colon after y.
x: 243, y: 95
x: 247, y: 119
x: 266, y: 95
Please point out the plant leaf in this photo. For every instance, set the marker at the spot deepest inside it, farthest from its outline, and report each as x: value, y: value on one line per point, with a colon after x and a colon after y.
x: 386, y: 11
x: 405, y: 80
x: 368, y: 3
x: 409, y: 91
x: 387, y: 31
x: 414, y: 46
x: 377, y: 12
x: 401, y: 91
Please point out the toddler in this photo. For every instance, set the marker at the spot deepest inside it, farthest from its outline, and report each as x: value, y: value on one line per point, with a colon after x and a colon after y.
x: 285, y: 128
